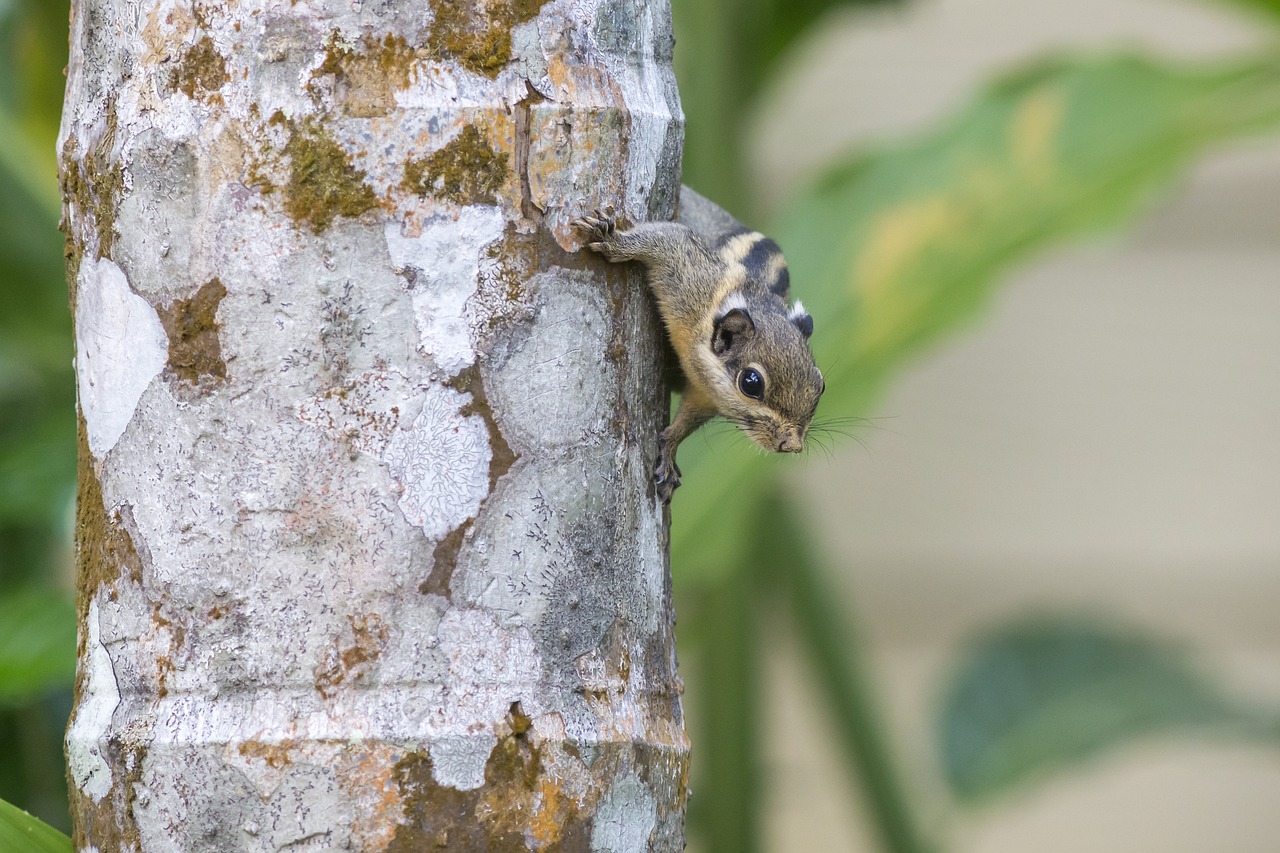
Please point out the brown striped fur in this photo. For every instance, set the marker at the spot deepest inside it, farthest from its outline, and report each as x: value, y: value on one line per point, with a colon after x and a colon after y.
x: 723, y: 300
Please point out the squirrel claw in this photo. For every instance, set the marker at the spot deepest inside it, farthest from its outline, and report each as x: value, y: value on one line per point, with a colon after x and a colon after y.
x: 666, y: 477
x: 666, y: 488
x: 597, y: 226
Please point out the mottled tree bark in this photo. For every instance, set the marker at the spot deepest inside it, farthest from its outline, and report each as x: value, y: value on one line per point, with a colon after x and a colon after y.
x: 369, y: 554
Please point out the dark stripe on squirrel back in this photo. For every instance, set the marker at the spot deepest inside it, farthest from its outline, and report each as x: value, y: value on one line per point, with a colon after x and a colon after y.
x: 766, y: 265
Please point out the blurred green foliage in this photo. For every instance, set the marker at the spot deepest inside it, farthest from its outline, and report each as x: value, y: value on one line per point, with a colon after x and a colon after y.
x: 1038, y: 694
x: 37, y: 416
x: 727, y: 52
x: 895, y: 247
x: 37, y: 642
x: 1269, y: 8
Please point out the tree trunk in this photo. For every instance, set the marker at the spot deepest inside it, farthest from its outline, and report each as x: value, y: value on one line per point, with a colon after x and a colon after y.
x: 369, y: 554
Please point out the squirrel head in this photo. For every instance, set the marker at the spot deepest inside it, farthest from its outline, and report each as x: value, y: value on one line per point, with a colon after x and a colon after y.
x: 771, y: 384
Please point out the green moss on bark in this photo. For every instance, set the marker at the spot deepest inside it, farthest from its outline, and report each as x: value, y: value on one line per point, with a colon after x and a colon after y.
x: 368, y: 74
x: 323, y: 183
x: 478, y: 35
x: 195, y: 352
x: 200, y: 71
x: 94, y: 182
x: 465, y: 171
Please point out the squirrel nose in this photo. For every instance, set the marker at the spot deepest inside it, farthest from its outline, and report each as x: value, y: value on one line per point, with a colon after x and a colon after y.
x: 790, y: 443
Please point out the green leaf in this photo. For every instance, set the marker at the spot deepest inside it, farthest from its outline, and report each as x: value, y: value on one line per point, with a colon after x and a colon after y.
x: 37, y: 643
x: 22, y: 833
x: 891, y: 250
x: 1043, y: 696
x: 902, y: 246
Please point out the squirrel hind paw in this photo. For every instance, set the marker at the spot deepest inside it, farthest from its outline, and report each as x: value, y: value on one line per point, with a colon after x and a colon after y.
x: 667, y: 478
x: 666, y: 488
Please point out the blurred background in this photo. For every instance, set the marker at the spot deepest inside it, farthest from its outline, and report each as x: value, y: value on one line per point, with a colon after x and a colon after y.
x: 37, y: 417
x: 1023, y: 594
x: 1051, y: 553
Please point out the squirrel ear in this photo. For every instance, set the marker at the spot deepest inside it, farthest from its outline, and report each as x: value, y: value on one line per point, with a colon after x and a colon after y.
x: 730, y: 330
x: 801, y: 318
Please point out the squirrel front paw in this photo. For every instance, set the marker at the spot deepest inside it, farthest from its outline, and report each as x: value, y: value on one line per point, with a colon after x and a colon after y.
x: 600, y: 230
x: 667, y: 475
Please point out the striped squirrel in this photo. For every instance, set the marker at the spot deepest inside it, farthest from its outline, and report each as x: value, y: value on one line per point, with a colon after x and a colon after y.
x: 722, y: 294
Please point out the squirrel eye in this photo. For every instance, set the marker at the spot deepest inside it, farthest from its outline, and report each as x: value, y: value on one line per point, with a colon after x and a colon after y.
x: 751, y: 383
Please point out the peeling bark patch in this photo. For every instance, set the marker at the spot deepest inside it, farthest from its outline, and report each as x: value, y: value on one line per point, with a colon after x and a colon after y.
x: 503, y: 456
x: 442, y: 276
x: 367, y: 75
x: 120, y: 348
x: 538, y: 795
x: 521, y: 807
x: 465, y: 171
x: 201, y: 70
x: 192, y: 327
x: 323, y: 182
x: 369, y: 635
x: 86, y: 764
x: 436, y: 817
x: 442, y: 464
x: 478, y: 35
x: 445, y: 557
